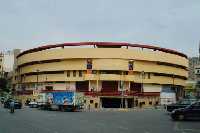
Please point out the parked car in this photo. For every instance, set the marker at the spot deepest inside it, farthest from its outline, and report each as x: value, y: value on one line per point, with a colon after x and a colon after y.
x: 33, y: 104
x: 191, y: 112
x: 18, y: 104
x: 180, y: 104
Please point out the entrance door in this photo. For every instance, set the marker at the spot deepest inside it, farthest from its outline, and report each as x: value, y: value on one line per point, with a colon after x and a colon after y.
x: 130, y: 102
x: 193, y: 112
x: 111, y: 102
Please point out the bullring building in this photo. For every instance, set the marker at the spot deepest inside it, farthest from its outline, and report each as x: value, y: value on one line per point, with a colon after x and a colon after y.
x: 111, y: 75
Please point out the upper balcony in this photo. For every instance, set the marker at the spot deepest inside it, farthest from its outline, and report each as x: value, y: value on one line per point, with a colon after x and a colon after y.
x: 113, y: 77
x: 91, y: 77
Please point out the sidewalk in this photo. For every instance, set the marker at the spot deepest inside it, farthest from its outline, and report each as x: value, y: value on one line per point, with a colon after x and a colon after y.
x: 124, y: 109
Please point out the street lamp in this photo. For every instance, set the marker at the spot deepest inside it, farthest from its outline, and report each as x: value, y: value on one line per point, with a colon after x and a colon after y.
x: 37, y: 79
x: 173, y: 81
x: 142, y: 76
x: 122, y: 90
x: 173, y: 86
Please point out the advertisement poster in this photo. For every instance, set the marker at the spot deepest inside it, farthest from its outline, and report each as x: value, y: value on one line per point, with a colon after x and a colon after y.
x: 60, y: 98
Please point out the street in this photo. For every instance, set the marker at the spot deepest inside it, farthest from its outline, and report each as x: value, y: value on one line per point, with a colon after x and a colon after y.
x: 29, y: 120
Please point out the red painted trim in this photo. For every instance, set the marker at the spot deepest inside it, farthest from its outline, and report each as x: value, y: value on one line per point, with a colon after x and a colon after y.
x: 119, y: 93
x: 102, y: 44
x: 94, y: 93
x: 46, y: 91
x: 26, y: 92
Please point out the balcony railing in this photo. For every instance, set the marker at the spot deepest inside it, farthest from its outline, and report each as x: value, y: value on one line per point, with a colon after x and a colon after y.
x: 25, y: 92
x: 118, y: 93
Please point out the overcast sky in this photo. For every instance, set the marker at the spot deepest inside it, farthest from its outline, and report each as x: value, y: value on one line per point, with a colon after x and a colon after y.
x: 171, y: 24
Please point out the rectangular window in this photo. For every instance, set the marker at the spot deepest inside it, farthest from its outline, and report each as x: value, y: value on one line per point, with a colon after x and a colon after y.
x: 74, y: 73
x: 94, y: 72
x: 89, y: 64
x: 49, y: 88
x: 80, y: 73
x: 130, y: 65
x: 68, y: 73
x: 91, y: 101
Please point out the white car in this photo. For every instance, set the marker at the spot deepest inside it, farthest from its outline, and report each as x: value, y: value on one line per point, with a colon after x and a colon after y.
x: 33, y: 104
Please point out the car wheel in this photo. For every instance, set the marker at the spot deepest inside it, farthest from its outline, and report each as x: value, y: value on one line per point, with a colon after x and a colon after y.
x: 181, y: 117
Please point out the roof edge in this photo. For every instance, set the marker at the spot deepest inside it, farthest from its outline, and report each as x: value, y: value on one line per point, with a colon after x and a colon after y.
x: 103, y: 44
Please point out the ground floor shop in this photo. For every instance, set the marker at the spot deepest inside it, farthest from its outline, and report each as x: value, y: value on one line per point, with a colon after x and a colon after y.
x: 121, y: 102
x: 110, y: 94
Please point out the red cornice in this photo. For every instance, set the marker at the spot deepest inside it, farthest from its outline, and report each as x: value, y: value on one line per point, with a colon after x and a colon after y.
x: 102, y: 44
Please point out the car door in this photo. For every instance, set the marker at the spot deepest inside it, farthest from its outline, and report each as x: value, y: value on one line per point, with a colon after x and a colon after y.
x: 194, y: 111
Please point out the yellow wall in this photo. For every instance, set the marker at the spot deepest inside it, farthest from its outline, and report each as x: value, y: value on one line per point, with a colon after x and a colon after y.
x: 92, y: 105
x: 75, y: 64
x: 104, y: 64
x: 111, y: 77
x: 103, y: 59
x: 102, y: 53
x: 155, y: 79
x: 153, y: 67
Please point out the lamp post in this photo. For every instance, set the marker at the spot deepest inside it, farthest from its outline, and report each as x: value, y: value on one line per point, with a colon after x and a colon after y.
x: 173, y: 81
x: 37, y: 79
x: 173, y: 86
x: 122, y: 90
x: 142, y: 77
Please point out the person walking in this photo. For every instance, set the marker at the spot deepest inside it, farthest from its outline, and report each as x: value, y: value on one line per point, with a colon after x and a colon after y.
x: 12, y: 106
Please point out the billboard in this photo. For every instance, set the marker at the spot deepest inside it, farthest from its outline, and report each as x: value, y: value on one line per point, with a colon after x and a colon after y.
x: 60, y: 98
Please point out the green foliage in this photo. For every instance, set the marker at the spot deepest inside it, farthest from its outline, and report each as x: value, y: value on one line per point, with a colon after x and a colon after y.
x: 3, y: 85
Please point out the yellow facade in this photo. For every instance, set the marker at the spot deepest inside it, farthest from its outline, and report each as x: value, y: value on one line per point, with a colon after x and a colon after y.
x: 69, y: 65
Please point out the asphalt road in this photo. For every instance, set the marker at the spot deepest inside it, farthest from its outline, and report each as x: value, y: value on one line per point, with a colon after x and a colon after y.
x: 141, y: 121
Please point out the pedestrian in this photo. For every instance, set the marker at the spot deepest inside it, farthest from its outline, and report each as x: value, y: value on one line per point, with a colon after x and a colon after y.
x: 12, y: 106
x: 89, y: 107
x: 140, y: 104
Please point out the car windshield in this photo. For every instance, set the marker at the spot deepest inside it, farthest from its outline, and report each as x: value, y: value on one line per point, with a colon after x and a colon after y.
x: 193, y: 104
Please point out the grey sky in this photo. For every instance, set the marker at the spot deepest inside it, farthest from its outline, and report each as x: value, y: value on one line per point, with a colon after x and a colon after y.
x: 171, y: 24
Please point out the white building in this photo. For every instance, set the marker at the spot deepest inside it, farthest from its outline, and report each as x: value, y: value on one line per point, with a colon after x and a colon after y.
x: 7, y: 60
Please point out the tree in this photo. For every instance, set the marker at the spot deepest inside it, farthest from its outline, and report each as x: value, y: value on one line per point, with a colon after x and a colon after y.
x: 3, y: 85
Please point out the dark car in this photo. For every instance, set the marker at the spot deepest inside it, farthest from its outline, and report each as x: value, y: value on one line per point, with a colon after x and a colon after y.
x: 191, y: 112
x: 180, y: 104
x: 18, y: 104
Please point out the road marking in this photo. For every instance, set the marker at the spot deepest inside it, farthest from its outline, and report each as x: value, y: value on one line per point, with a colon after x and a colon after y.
x: 124, y: 128
x: 177, y: 128
x: 193, y: 130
